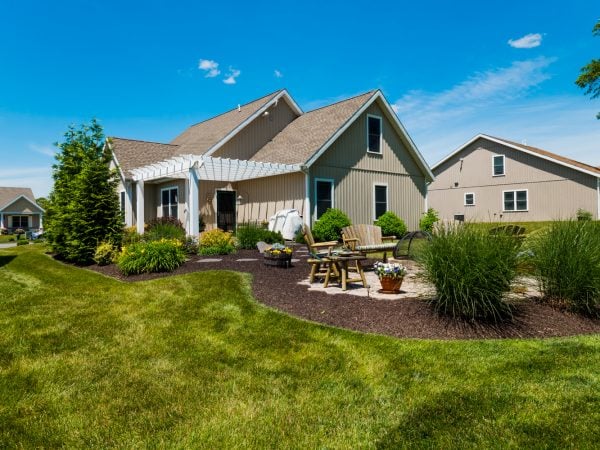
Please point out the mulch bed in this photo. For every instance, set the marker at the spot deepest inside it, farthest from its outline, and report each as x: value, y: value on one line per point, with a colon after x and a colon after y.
x: 406, y: 318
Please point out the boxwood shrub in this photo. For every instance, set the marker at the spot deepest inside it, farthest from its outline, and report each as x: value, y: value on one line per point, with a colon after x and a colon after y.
x: 471, y: 270
x: 164, y: 255
x: 391, y: 224
x: 330, y: 224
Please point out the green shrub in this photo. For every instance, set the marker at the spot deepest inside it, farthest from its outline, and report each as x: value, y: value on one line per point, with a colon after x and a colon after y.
x: 190, y: 245
x: 428, y: 220
x: 583, y: 215
x: 299, y: 238
x: 165, y: 228
x: 22, y: 242
x: 330, y: 224
x: 471, y: 271
x: 216, y: 242
x: 164, y: 255
x: 105, y: 254
x: 249, y: 234
x: 131, y: 236
x: 391, y: 225
x: 566, y: 262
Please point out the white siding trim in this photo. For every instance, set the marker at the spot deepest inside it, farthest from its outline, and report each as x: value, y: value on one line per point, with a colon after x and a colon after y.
x: 387, y: 198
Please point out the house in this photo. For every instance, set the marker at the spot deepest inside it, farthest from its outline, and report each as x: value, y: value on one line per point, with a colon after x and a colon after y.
x: 18, y: 209
x: 492, y: 179
x: 267, y: 155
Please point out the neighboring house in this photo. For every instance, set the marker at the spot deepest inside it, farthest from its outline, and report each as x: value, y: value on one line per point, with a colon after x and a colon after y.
x: 492, y: 179
x: 268, y: 155
x: 18, y: 209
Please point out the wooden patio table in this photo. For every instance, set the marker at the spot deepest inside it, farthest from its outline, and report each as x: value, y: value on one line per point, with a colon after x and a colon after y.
x: 341, y: 263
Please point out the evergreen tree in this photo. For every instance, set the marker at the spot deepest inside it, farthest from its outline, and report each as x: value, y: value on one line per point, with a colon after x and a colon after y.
x: 589, y: 79
x: 83, y: 208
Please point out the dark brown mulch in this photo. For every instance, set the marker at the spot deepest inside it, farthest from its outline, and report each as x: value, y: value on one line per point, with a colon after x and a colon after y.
x: 407, y: 318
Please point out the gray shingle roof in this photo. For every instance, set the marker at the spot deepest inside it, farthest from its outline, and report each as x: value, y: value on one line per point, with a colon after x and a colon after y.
x: 131, y: 153
x: 199, y: 138
x: 299, y: 140
x: 8, y: 194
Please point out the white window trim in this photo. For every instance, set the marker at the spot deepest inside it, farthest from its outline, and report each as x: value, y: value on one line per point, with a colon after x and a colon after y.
x: 387, y: 198
x: 380, y: 152
x: 503, y: 166
x: 169, y: 188
x: 332, y: 182
x: 465, y: 199
x: 514, y: 191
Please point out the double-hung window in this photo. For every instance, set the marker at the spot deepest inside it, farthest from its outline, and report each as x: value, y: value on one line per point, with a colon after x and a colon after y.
x: 374, y: 134
x: 20, y: 221
x: 169, y: 199
x: 498, y: 165
x: 469, y: 199
x: 323, y: 196
x: 516, y: 200
x: 380, y: 200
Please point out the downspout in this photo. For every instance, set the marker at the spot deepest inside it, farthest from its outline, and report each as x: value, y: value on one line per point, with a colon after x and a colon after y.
x: 306, y: 171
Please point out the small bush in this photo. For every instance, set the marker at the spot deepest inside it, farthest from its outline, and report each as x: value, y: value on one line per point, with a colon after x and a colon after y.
x: 131, y: 236
x: 249, y: 234
x: 584, y: 215
x: 471, y: 271
x: 216, y: 242
x: 22, y: 242
x: 164, y: 255
x: 428, y: 220
x: 566, y: 262
x: 165, y: 228
x: 105, y: 254
x: 391, y: 225
x: 330, y: 224
x: 190, y: 246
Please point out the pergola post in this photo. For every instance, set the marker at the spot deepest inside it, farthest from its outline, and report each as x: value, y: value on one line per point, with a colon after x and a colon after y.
x: 307, y: 198
x: 139, y: 190
x: 41, y: 225
x: 1, y: 220
x: 193, y: 225
x: 128, y: 204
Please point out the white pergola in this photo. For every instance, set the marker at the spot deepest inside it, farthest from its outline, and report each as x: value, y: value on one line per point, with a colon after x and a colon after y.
x: 194, y: 168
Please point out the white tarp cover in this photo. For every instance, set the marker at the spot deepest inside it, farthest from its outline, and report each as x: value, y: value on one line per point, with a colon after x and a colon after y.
x: 287, y: 222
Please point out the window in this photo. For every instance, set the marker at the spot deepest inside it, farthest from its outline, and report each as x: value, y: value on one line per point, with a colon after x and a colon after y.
x: 323, y: 196
x: 469, y: 199
x: 380, y: 200
x: 374, y: 134
x: 516, y: 201
x: 498, y: 165
x: 169, y: 202
x: 20, y: 221
x: 123, y: 202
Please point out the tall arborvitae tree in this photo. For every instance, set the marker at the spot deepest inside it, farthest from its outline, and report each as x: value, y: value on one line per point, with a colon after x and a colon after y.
x: 83, y: 208
x: 589, y: 79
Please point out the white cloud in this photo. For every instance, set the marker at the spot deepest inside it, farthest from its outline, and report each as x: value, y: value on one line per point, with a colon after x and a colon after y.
x: 423, y: 110
x: 210, y: 67
x: 43, y: 149
x: 231, y: 76
x: 277, y: 74
x: 530, y: 40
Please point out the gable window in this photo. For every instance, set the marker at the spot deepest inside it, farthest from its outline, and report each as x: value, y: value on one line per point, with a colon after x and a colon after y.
x: 469, y: 199
x: 516, y: 200
x: 323, y: 196
x: 20, y: 221
x: 374, y: 125
x: 498, y: 165
x: 169, y: 199
x: 380, y: 198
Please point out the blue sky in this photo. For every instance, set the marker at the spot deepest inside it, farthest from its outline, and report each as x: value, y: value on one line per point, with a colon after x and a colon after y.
x: 146, y: 70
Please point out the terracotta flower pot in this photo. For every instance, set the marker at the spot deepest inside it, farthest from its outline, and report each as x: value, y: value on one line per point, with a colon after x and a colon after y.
x: 391, y: 284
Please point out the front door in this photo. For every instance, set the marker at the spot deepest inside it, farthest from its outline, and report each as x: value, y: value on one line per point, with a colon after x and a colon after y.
x: 226, y: 210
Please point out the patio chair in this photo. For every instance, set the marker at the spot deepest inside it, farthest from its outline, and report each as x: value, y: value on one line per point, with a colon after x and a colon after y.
x: 367, y: 239
x: 319, y: 251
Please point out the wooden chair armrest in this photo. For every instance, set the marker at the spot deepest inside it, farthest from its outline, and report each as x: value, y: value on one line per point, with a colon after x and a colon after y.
x: 351, y: 239
x: 325, y: 244
x: 388, y: 238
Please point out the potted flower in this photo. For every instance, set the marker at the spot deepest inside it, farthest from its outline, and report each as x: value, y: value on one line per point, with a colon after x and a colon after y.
x: 390, y: 275
x: 278, y: 255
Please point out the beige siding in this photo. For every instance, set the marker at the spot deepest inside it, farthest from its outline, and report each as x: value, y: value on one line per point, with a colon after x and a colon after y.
x: 554, y: 191
x: 256, y: 134
x: 22, y: 206
x: 355, y: 172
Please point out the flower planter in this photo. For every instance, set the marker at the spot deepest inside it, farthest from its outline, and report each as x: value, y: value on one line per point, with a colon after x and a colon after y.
x: 391, y: 285
x: 278, y: 260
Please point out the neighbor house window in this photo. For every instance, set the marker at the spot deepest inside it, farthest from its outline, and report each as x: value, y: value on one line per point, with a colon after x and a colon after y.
x: 515, y: 201
x: 20, y: 221
x: 169, y: 199
x: 469, y: 199
x: 374, y: 134
x: 498, y: 165
x: 380, y: 200
x: 323, y: 196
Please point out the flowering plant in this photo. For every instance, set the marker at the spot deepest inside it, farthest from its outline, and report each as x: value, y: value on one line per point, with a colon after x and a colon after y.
x: 389, y: 270
x: 278, y: 250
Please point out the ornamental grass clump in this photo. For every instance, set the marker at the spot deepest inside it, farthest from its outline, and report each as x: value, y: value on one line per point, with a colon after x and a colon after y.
x: 471, y: 271
x: 165, y: 228
x: 566, y: 262
x: 216, y: 242
x: 164, y: 255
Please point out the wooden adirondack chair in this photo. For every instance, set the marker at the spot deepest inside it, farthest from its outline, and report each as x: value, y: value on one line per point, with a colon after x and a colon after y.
x: 367, y: 239
x: 319, y: 251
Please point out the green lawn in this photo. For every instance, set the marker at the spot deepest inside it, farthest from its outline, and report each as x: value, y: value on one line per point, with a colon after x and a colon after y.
x: 7, y: 238
x: 194, y: 361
